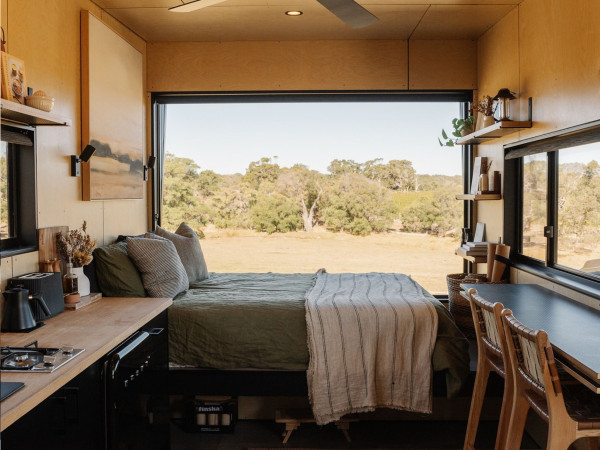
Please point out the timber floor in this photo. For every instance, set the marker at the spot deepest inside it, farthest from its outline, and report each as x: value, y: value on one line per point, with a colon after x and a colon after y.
x: 254, y: 434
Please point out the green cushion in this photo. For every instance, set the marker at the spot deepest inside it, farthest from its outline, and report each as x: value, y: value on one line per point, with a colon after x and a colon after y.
x: 117, y: 275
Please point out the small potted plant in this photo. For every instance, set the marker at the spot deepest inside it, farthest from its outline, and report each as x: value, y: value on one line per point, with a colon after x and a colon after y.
x: 77, y: 247
x: 461, y: 128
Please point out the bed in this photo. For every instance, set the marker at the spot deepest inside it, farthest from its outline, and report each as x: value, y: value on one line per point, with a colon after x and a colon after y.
x: 250, y: 327
x: 373, y: 339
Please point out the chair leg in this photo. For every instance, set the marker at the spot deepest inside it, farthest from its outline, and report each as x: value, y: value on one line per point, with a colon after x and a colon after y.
x: 503, y: 423
x: 481, y: 380
x: 558, y: 439
x: 518, y: 417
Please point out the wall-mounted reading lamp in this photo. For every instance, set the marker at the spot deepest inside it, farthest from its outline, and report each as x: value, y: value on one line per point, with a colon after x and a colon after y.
x: 150, y: 165
x: 85, y: 156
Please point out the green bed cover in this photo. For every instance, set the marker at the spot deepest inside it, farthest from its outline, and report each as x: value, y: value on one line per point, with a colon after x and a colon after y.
x: 257, y: 321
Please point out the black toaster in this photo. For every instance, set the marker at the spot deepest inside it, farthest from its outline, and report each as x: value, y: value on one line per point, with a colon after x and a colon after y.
x: 46, y: 285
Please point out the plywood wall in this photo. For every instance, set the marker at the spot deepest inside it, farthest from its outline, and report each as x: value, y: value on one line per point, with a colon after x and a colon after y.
x: 547, y: 50
x: 46, y: 35
x: 310, y: 65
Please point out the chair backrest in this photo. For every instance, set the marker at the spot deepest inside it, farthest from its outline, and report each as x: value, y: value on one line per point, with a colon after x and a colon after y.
x: 488, y: 325
x: 532, y: 356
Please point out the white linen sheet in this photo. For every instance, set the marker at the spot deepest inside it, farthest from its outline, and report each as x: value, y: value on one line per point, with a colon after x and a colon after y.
x: 371, y: 338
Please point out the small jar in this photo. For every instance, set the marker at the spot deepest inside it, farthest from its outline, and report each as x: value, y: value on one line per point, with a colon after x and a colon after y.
x: 70, y: 282
x: 48, y: 266
x: 484, y: 182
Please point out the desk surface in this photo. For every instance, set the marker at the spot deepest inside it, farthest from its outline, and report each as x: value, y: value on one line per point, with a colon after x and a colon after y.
x: 98, y: 328
x: 573, y: 328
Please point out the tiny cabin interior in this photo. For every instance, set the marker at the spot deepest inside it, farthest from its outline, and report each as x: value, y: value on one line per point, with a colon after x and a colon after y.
x: 159, y: 371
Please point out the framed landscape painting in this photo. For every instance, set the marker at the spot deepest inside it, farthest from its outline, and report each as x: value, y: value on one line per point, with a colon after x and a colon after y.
x: 112, y: 113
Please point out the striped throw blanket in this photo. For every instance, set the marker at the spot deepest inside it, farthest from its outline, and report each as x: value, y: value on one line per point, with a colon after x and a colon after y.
x: 371, y: 338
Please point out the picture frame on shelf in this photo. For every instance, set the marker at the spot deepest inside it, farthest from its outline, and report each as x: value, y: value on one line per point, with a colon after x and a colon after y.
x: 479, y: 232
x: 479, y: 164
x: 14, y: 85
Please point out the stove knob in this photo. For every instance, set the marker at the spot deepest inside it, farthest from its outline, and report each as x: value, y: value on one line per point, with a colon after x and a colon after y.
x: 132, y: 377
x: 137, y: 373
x: 67, y: 349
x: 142, y: 368
x: 125, y: 383
x: 49, y: 360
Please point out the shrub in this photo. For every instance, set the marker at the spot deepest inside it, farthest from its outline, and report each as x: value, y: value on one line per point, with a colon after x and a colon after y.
x: 275, y: 213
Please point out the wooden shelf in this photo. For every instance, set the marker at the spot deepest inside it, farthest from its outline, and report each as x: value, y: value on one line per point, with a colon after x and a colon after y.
x: 498, y: 130
x: 475, y: 259
x: 479, y: 197
x: 15, y: 112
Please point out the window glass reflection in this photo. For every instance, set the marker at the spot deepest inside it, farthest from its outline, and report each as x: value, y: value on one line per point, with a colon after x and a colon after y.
x: 535, y: 193
x: 578, y: 240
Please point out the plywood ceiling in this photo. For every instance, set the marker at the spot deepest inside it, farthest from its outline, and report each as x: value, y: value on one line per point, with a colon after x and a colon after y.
x: 259, y: 20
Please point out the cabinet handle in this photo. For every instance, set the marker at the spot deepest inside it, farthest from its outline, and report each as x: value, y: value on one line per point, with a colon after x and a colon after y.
x: 117, y: 357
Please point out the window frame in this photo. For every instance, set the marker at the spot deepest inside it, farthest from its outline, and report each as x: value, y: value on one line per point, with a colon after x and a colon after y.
x: 550, y: 144
x: 21, y: 169
x: 160, y: 99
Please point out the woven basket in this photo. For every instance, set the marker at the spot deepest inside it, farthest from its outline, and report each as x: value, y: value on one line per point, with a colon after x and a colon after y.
x: 459, y: 305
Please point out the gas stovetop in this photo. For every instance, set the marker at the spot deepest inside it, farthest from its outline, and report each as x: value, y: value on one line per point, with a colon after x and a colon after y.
x: 32, y: 358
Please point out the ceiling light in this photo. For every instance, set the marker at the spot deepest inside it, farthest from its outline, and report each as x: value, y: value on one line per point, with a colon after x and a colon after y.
x: 194, y: 5
x: 293, y: 13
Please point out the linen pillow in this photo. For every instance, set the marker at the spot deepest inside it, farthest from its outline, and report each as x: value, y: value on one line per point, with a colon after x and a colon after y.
x: 163, y: 274
x: 188, y: 247
x: 116, y: 273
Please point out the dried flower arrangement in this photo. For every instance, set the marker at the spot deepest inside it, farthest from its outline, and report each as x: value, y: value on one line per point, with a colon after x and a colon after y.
x: 486, y: 106
x: 76, y: 246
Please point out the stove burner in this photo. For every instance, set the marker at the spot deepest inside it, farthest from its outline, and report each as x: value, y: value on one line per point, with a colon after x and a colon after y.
x: 36, y: 359
x: 22, y: 360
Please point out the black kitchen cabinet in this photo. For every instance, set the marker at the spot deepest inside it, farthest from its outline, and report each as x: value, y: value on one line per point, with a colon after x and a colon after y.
x: 119, y: 402
x: 71, y: 418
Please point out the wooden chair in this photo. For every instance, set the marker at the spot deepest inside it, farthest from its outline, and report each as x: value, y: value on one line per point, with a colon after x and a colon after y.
x: 492, y: 355
x: 571, y: 416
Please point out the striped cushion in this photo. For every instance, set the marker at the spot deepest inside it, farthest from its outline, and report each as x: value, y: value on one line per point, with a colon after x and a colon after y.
x: 158, y: 262
x: 188, y: 247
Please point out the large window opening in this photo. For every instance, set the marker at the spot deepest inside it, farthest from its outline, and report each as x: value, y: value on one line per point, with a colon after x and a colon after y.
x: 559, y: 193
x: 295, y: 186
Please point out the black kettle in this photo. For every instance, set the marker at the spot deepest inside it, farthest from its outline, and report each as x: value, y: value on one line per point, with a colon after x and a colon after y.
x: 16, y: 312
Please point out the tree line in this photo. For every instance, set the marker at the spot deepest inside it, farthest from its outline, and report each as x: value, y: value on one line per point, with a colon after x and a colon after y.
x: 578, y: 202
x: 353, y: 197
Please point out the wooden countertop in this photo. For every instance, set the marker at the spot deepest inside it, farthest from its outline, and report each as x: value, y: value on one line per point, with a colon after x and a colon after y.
x: 97, y: 328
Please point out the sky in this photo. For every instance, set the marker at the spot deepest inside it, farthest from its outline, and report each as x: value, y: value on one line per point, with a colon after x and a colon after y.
x: 225, y: 138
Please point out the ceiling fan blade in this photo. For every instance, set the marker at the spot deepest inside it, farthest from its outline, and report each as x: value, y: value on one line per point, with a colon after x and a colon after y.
x: 194, y: 5
x: 350, y: 12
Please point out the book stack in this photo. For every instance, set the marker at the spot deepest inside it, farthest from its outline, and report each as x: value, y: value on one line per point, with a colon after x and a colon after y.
x: 474, y: 249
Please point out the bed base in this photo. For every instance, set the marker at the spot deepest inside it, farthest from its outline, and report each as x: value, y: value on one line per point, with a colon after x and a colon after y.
x: 237, y: 382
x: 257, y: 383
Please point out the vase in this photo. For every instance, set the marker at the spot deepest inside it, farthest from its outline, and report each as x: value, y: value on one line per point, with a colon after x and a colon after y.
x: 488, y: 121
x: 484, y: 185
x: 83, y: 282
